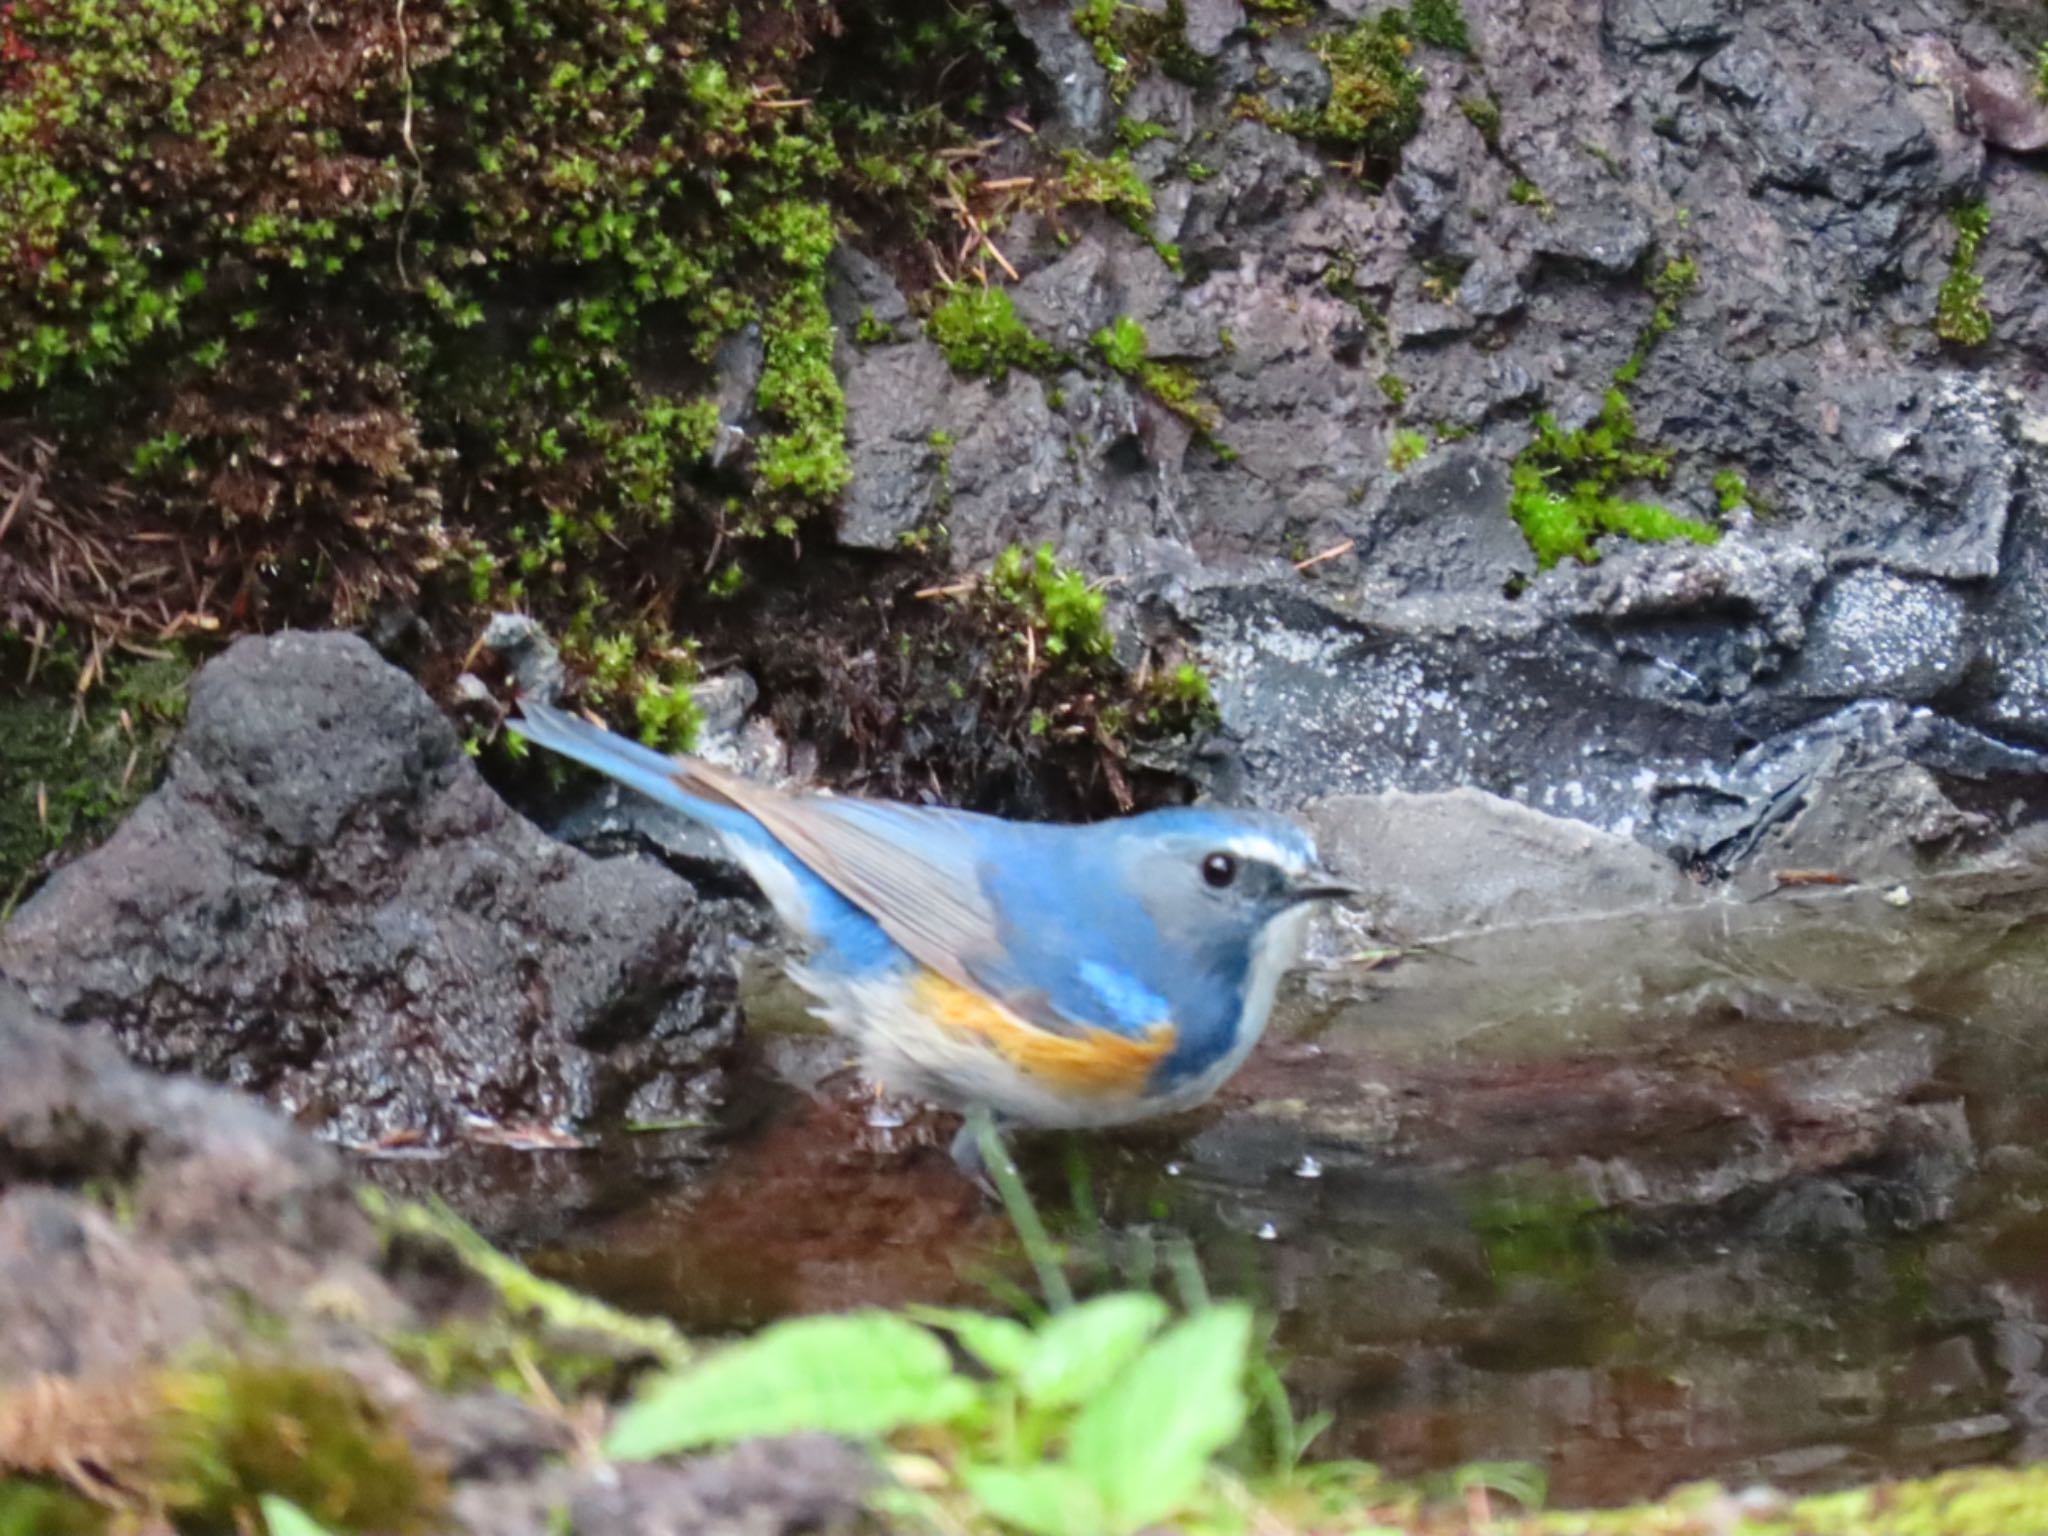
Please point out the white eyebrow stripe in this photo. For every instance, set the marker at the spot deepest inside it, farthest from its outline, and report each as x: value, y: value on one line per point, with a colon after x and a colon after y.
x: 1264, y: 850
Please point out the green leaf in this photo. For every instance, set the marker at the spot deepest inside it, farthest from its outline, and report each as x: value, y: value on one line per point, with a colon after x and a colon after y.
x: 859, y: 1375
x: 1146, y: 1441
x: 1080, y: 1350
x: 1049, y: 1500
x: 287, y: 1519
x: 1002, y: 1344
x: 1521, y: 1481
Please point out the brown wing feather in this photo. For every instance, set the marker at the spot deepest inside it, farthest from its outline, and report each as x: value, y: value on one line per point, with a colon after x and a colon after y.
x: 931, y: 905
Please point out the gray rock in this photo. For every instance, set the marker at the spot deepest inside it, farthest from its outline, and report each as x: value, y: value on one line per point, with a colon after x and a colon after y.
x: 523, y: 645
x: 1881, y: 571
x: 1595, y: 230
x: 1442, y: 533
x: 1998, y: 102
x: 326, y: 904
x: 894, y: 403
x: 1883, y: 636
x: 1445, y: 863
x: 1652, y: 25
x: 806, y: 1485
x: 737, y: 368
x: 1066, y: 63
x: 857, y: 285
x: 1492, y: 288
x: 1210, y: 24
x: 227, y: 1208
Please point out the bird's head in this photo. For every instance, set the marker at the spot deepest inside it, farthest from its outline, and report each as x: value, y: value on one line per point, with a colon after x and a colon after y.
x: 1217, y: 880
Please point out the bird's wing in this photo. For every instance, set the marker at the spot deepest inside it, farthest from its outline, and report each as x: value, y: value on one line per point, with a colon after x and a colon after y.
x: 916, y: 872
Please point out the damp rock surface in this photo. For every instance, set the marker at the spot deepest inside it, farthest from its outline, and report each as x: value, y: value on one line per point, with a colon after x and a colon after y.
x: 326, y: 904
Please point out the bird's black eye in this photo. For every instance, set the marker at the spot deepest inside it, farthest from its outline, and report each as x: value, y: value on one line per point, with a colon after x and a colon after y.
x: 1219, y: 869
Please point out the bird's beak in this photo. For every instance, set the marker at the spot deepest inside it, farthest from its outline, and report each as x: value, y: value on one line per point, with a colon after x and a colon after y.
x: 1321, y: 885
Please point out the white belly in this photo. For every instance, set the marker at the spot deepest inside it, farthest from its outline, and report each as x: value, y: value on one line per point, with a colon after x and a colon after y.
x: 908, y: 1055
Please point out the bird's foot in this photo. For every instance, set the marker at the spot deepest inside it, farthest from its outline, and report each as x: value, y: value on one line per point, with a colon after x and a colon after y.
x: 966, y: 1150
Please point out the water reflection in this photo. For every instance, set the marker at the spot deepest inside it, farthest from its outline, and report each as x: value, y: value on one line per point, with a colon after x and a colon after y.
x: 1743, y: 1190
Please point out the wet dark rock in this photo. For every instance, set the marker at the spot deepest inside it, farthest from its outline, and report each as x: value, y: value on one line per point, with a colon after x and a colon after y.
x: 326, y: 904
x: 1876, y: 634
x: 1066, y: 64
x: 1880, y: 545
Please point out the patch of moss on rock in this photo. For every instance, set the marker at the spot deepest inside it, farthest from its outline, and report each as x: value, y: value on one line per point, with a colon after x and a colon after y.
x: 200, y: 1447
x: 1563, y: 488
x: 1375, y: 100
x: 978, y: 331
x: 426, y: 306
x: 1960, y: 315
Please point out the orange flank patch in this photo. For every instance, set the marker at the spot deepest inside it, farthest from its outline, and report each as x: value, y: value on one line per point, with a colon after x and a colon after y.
x: 1093, y: 1061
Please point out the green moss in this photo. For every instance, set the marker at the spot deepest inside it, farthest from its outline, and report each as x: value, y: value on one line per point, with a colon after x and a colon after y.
x: 31, y: 1508
x: 488, y: 270
x: 1441, y: 22
x: 1395, y: 388
x: 1526, y: 194
x: 307, y: 1435
x: 870, y: 332
x: 1483, y: 113
x: 1064, y: 612
x: 1129, y: 40
x: 1135, y: 135
x: 1123, y: 345
x: 1181, y: 699
x: 1730, y: 489
x: 806, y: 458
x: 1269, y: 15
x: 2041, y: 72
x: 978, y: 331
x: 1960, y: 315
x: 1108, y: 181
x: 71, y: 765
x: 523, y: 1294
x: 201, y: 1447
x: 1670, y: 285
x: 1375, y: 101
x: 1562, y: 488
x: 1408, y: 447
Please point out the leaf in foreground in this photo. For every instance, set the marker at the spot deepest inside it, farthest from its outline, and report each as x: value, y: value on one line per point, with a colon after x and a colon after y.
x: 1049, y: 1500
x: 1080, y: 1351
x: 284, y: 1518
x: 859, y: 1376
x: 1145, y: 1442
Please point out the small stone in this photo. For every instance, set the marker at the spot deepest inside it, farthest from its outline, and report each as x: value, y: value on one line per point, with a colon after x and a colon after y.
x: 523, y: 645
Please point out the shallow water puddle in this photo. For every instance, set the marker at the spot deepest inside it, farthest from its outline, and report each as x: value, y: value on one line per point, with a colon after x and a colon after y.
x: 1744, y: 1189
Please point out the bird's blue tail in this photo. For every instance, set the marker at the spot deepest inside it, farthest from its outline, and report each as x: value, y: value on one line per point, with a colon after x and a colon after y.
x: 633, y: 765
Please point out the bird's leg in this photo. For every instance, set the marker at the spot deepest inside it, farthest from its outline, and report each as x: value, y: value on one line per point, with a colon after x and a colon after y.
x: 980, y: 1133
x: 967, y: 1155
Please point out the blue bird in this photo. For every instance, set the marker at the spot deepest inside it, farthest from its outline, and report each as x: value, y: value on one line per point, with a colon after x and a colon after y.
x: 1055, y: 976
